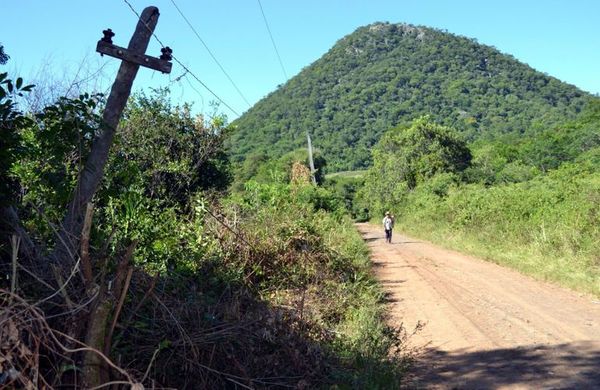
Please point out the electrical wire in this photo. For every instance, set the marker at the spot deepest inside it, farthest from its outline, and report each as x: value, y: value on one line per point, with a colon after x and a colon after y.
x: 179, y: 62
x: 272, y: 40
x: 211, y: 53
x: 205, y: 86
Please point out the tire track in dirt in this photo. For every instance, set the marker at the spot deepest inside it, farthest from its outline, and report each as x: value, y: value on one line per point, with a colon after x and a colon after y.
x: 486, y: 326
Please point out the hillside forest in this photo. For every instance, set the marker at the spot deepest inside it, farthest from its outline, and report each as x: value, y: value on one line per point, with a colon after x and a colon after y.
x: 384, y: 75
x: 208, y: 262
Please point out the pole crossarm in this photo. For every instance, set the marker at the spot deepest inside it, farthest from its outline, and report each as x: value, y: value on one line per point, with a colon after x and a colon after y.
x: 121, y: 53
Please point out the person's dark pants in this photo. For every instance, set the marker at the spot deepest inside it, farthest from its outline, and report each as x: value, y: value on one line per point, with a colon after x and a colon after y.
x: 388, y: 235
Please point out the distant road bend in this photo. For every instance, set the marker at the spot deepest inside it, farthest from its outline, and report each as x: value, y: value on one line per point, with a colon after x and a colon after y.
x: 487, y: 327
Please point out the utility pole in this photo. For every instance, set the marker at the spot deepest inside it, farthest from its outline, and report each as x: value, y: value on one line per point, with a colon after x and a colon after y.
x: 132, y: 58
x: 97, y: 332
x: 310, y: 160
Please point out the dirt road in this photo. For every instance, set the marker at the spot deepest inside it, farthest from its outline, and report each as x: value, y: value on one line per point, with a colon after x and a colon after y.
x: 487, y: 327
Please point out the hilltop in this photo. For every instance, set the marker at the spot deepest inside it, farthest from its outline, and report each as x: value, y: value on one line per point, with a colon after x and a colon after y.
x: 386, y: 74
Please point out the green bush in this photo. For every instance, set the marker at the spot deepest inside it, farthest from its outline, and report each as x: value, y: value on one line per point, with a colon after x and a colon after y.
x: 407, y: 157
x: 548, y: 226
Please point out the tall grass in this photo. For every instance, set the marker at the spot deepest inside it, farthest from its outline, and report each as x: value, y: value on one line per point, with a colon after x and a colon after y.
x: 366, y: 342
x: 548, y: 227
x: 309, y: 246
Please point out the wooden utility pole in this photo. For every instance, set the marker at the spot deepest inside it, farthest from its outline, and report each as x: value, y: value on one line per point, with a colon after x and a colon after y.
x: 132, y: 58
x: 310, y: 161
x: 97, y: 333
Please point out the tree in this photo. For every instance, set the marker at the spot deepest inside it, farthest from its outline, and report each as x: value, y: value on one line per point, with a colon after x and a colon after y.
x: 420, y: 151
x: 408, y: 156
x: 149, y: 201
x: 12, y: 121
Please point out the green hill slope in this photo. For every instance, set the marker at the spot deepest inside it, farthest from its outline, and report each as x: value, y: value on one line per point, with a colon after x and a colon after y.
x: 385, y: 74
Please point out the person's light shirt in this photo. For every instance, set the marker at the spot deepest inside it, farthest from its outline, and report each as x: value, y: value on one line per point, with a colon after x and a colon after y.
x: 388, y: 223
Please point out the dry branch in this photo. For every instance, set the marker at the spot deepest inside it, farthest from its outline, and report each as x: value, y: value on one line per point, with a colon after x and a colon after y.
x: 10, y: 219
x: 86, y: 264
x: 26, y: 338
x: 15, y: 242
x: 117, y: 313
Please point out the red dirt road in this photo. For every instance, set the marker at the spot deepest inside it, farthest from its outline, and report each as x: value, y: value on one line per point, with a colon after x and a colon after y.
x: 487, y: 327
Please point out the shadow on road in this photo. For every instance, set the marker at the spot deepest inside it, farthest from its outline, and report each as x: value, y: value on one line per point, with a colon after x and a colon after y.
x: 371, y: 239
x: 564, y: 366
x: 389, y: 298
x: 391, y: 282
x: 390, y: 265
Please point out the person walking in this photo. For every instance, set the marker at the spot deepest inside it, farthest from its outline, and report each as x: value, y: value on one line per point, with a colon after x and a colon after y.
x: 388, y: 225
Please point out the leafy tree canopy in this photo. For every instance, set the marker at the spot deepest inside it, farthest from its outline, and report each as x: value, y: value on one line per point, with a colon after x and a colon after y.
x: 409, y: 156
x: 278, y: 170
x: 414, y: 154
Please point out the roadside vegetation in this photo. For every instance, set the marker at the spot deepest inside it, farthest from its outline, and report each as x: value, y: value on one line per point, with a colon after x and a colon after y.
x: 530, y: 202
x: 178, y: 282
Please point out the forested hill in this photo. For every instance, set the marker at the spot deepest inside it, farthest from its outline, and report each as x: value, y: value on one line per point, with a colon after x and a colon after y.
x: 385, y: 74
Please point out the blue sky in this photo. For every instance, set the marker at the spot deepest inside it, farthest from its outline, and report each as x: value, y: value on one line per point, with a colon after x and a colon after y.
x: 54, y: 37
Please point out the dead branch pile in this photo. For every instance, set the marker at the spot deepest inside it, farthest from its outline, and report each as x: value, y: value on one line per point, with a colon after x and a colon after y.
x: 33, y: 355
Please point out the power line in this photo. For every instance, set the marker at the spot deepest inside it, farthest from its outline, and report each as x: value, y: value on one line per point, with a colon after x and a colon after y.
x: 210, y: 52
x: 205, y: 86
x: 179, y: 62
x: 272, y: 40
x: 194, y: 88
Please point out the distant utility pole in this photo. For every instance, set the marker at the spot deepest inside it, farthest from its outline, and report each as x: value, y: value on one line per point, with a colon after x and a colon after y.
x: 310, y: 160
x: 132, y: 58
